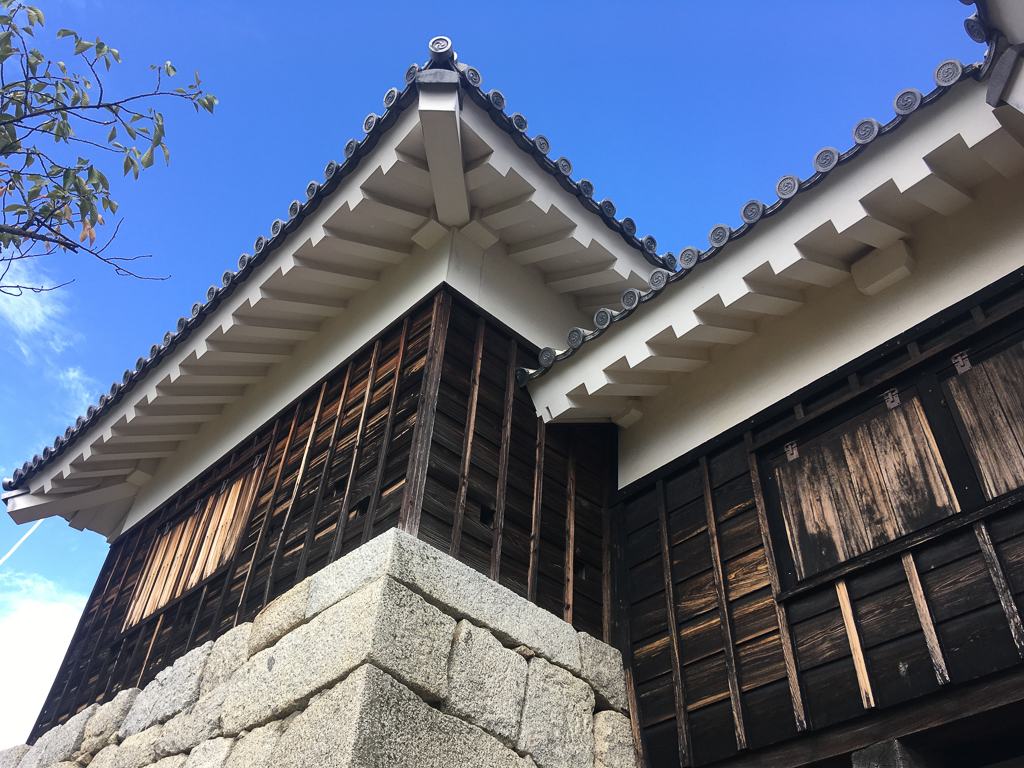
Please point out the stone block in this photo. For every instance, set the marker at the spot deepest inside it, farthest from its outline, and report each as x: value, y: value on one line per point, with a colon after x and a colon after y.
x: 174, y: 761
x: 467, y: 594
x: 349, y: 574
x: 372, y: 719
x: 457, y: 589
x: 486, y: 682
x: 106, y: 758
x: 174, y: 688
x: 210, y: 754
x: 60, y: 743
x: 613, y: 741
x: 253, y: 750
x: 196, y: 724
x: 230, y: 651
x: 384, y: 623
x: 279, y: 618
x: 102, y: 727
x: 137, y: 750
x: 557, y: 728
x: 10, y: 757
x: 602, y: 670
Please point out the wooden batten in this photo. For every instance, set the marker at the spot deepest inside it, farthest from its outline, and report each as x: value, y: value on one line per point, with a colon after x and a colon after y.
x: 503, y: 459
x: 867, y: 697
x: 682, y: 717
x: 467, y: 442
x: 725, y: 619
x: 924, y: 615
x: 569, y: 568
x: 412, y: 501
x: 1002, y: 585
x: 538, y: 504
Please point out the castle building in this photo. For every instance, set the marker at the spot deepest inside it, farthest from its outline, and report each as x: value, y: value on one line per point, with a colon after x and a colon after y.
x: 782, y: 473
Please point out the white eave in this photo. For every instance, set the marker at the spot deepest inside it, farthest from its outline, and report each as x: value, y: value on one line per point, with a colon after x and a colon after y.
x: 860, y: 215
x: 444, y: 197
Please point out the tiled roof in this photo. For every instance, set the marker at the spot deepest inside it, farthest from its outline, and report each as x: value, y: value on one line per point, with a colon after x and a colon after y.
x: 374, y: 126
x: 826, y: 160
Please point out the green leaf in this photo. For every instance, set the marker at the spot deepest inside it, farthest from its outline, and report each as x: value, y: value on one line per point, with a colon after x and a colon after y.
x: 170, y: 70
x: 127, y: 164
x: 167, y: 154
x: 147, y: 158
x: 81, y: 46
x: 66, y: 33
x: 112, y: 135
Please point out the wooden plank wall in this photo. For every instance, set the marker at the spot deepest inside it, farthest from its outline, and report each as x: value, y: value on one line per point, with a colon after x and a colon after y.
x: 740, y: 644
x: 422, y: 429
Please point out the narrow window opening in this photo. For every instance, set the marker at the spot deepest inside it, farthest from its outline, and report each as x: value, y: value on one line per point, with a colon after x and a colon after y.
x: 486, y: 516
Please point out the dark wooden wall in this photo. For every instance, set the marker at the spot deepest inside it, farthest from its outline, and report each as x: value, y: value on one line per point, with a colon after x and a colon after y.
x: 825, y: 571
x: 423, y: 429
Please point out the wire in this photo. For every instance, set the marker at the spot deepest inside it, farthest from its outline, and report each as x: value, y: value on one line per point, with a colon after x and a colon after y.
x: 20, y: 541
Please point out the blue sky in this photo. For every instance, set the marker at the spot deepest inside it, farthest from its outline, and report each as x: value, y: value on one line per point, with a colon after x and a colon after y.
x: 679, y: 112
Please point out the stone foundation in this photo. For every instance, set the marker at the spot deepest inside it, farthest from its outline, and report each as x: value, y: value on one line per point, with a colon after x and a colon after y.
x: 396, y: 655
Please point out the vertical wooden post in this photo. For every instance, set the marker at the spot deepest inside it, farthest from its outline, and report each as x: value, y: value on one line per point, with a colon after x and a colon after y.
x: 538, y: 504
x: 622, y: 639
x: 1002, y: 585
x: 924, y: 615
x: 265, y: 526
x: 506, y: 445
x: 325, y: 472
x: 723, y: 610
x: 867, y: 697
x: 607, y: 591
x: 275, y: 558
x: 788, y: 653
x: 682, y: 719
x: 149, y: 650
x: 357, y: 451
x: 423, y: 430
x: 569, y: 568
x: 195, y: 619
x: 467, y: 439
x: 385, y: 438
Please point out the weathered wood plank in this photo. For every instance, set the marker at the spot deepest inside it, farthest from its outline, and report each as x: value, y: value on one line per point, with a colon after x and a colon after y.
x: 569, y: 568
x: 538, y: 505
x: 469, y: 430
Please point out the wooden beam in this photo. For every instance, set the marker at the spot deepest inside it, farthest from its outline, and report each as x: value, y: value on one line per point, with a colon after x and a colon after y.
x: 682, y: 719
x: 1002, y: 585
x: 728, y: 643
x: 149, y: 650
x: 607, y: 588
x: 538, y: 504
x: 786, y: 639
x: 195, y: 619
x: 265, y: 526
x: 325, y: 473
x: 867, y: 697
x: 275, y: 558
x: 924, y: 615
x: 385, y: 440
x: 569, y: 569
x: 506, y: 444
x: 423, y: 430
x: 467, y: 438
x: 357, y: 450
x: 920, y: 714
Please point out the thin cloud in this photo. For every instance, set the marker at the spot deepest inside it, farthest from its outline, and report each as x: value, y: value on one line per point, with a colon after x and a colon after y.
x: 79, y: 391
x: 37, y: 620
x: 31, y: 313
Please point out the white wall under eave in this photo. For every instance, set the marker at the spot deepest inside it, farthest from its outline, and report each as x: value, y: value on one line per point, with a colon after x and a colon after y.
x: 955, y: 256
x: 513, y: 294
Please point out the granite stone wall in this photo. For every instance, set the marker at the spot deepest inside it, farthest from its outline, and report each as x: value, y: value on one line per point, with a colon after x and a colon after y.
x: 396, y: 655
